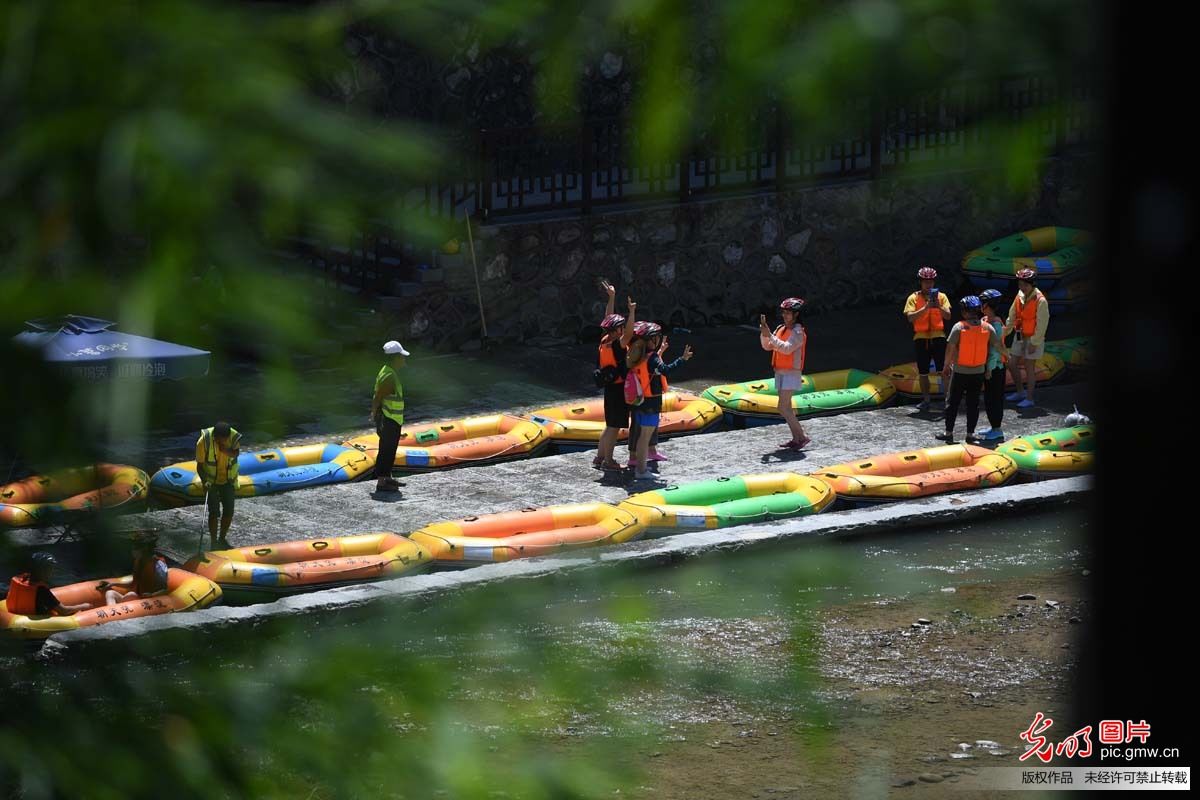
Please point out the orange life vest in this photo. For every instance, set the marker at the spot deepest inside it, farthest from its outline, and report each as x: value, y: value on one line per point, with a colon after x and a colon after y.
x: 22, y: 595
x: 793, y: 360
x: 642, y: 372
x: 1027, y: 313
x: 608, y: 355
x: 931, y: 322
x: 972, y: 345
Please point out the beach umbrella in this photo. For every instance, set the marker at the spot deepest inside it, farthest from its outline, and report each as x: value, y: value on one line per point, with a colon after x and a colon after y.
x: 88, y: 348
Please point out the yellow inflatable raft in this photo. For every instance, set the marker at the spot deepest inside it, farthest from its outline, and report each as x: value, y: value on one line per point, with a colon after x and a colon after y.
x: 529, y: 532
x: 186, y: 591
x: 737, y: 500
x: 76, y: 491
x: 906, y: 379
x: 461, y: 442
x: 299, y: 566
x: 918, y: 473
x: 578, y: 426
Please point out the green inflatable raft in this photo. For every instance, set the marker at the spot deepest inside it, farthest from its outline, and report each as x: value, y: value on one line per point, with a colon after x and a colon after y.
x: 1054, y: 253
x: 757, y: 403
x: 1054, y: 454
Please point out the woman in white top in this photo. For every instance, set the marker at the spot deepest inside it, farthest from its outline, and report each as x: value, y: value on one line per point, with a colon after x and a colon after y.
x: 787, y: 346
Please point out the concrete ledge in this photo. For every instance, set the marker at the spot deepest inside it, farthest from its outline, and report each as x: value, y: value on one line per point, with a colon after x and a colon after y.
x: 1014, y: 499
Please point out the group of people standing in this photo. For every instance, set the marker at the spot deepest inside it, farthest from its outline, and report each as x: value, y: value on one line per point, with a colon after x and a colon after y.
x: 633, y: 374
x: 974, y: 358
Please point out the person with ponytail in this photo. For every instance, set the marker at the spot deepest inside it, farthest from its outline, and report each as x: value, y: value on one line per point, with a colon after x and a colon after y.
x: 788, y: 346
x: 649, y: 372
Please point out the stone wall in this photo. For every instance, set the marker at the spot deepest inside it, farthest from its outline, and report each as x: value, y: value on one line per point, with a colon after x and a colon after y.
x: 728, y: 260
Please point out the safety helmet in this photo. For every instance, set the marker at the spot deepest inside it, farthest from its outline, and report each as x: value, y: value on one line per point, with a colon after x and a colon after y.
x: 612, y: 322
x: 970, y: 302
x: 927, y: 273
x: 645, y: 330
x: 989, y: 296
x: 1026, y: 274
x: 791, y: 304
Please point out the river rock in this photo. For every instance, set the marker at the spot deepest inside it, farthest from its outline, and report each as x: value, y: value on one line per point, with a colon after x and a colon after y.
x: 930, y: 777
x: 1027, y: 597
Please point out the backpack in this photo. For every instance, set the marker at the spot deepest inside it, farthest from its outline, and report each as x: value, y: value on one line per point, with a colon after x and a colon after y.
x: 633, y: 390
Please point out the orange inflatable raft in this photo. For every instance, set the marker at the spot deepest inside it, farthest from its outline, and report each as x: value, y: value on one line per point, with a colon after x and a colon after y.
x: 311, y: 564
x: 186, y: 591
x: 529, y: 532
x: 578, y: 426
x: 41, y: 499
x: 461, y: 442
x: 918, y: 473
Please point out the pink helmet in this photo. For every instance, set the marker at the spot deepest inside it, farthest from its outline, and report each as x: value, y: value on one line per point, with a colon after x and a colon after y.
x: 1026, y: 274
x: 927, y: 273
x: 645, y: 330
x: 791, y: 303
x: 612, y: 322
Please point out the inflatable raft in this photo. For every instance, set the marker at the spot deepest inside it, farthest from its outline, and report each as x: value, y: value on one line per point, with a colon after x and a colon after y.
x: 529, y: 532
x: 757, y: 403
x: 42, y: 499
x: 1075, y: 353
x: 290, y: 567
x: 1054, y: 253
x: 1054, y: 454
x: 186, y: 591
x: 578, y: 426
x: 918, y: 473
x: 738, y: 500
x: 267, y: 472
x: 461, y: 442
x: 906, y: 379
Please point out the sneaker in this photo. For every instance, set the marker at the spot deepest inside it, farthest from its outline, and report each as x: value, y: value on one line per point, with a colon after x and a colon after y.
x: 656, y: 456
x: 643, y: 476
x: 947, y: 437
x: 395, y: 483
x: 923, y: 405
x: 1014, y: 397
x: 983, y: 432
x: 384, y: 486
x: 597, y: 461
x: 611, y: 466
x: 994, y: 434
x: 789, y: 444
x: 971, y: 439
x: 1026, y: 403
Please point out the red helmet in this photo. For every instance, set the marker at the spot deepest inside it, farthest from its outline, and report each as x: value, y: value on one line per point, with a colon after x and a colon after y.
x: 612, y: 322
x: 792, y: 304
x: 927, y: 273
x: 1026, y: 274
x: 645, y: 330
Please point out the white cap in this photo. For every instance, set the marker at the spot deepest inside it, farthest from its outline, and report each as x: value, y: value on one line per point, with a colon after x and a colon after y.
x: 393, y: 348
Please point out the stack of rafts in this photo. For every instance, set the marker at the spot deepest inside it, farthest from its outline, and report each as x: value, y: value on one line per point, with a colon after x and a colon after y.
x: 1060, y: 256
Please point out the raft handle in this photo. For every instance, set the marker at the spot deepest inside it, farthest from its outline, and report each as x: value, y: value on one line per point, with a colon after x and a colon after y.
x: 263, y: 551
x: 320, y: 545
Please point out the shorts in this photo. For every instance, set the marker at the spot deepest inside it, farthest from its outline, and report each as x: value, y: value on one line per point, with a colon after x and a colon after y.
x: 220, y: 497
x: 1021, y: 348
x: 616, y: 413
x: 927, y: 350
x: 788, y: 381
x: 647, y: 419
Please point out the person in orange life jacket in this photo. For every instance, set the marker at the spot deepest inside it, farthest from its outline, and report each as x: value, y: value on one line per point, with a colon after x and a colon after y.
x: 217, y: 454
x: 387, y: 414
x: 148, y: 577
x: 927, y: 311
x: 1029, y: 316
x: 652, y: 454
x: 29, y: 594
x: 787, y: 345
x: 647, y: 368
x: 967, y: 350
x: 618, y: 331
x: 993, y: 380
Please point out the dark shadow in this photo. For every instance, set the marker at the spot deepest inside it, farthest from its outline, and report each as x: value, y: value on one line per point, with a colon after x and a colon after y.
x: 386, y: 497
x: 783, y: 456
